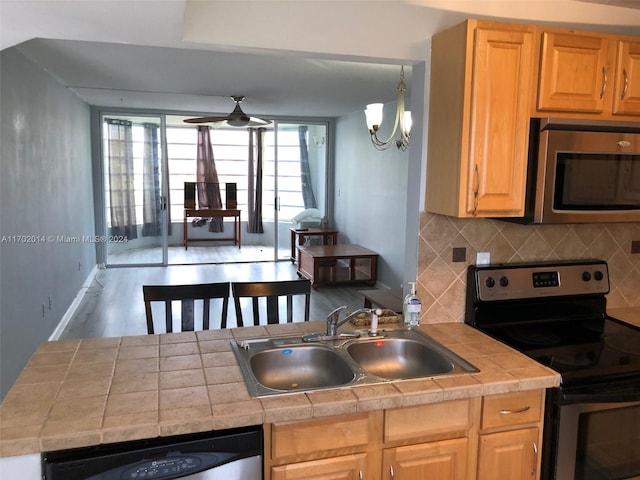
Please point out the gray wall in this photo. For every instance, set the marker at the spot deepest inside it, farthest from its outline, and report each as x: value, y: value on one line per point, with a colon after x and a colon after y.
x: 370, y: 206
x: 45, y: 193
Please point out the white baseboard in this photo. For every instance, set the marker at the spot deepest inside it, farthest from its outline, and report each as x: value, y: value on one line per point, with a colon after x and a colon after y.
x: 68, y: 315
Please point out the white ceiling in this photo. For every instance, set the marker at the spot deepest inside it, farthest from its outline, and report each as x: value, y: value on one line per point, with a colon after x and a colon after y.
x: 312, y: 58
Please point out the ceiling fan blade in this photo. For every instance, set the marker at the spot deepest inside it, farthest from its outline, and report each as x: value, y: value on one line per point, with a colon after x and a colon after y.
x: 237, y: 118
x: 206, y: 119
x: 258, y: 122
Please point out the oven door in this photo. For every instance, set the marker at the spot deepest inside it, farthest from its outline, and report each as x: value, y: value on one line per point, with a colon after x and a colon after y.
x: 599, y: 441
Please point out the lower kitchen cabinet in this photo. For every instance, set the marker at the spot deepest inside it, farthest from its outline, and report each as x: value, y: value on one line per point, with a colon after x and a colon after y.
x: 345, y: 467
x: 331, y: 448
x: 443, y: 460
x: 512, y: 455
x: 511, y: 436
x: 496, y: 436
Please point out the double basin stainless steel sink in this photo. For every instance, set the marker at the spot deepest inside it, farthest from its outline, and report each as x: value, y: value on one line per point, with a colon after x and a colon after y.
x: 279, y: 365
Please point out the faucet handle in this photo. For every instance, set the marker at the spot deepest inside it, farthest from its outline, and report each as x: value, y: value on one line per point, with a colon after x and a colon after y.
x: 335, y: 315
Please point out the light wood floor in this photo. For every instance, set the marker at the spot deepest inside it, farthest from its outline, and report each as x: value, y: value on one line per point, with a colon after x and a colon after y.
x: 197, y: 253
x: 113, y: 305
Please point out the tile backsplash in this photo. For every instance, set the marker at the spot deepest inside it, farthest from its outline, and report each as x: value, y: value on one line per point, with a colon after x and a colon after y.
x: 442, y: 282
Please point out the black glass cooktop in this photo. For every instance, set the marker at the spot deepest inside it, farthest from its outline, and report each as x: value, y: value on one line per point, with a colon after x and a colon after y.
x: 580, y: 350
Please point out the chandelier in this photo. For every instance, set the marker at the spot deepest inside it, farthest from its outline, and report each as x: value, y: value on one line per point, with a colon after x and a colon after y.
x: 373, y: 114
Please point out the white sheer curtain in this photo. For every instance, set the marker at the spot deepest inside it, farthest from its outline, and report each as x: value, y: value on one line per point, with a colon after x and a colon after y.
x: 121, y: 186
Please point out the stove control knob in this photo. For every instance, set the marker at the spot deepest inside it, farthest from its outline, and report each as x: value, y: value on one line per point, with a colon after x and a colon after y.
x: 586, y: 276
x: 598, y: 275
x: 504, y: 281
x: 490, y: 282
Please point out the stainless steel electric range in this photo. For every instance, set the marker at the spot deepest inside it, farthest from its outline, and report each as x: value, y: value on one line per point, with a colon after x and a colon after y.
x: 556, y: 314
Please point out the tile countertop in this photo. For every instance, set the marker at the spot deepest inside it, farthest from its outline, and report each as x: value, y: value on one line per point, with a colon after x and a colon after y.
x: 83, y: 392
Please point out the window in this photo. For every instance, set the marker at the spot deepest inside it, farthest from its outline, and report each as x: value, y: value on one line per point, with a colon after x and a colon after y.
x: 230, y: 150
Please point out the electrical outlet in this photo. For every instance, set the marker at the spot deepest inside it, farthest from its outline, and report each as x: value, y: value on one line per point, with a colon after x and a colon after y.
x: 483, y: 258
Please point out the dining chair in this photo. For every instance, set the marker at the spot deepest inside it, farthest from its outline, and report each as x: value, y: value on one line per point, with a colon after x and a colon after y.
x: 187, y: 295
x: 272, y: 292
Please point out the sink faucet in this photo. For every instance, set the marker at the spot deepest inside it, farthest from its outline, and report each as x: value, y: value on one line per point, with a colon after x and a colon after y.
x: 334, y: 322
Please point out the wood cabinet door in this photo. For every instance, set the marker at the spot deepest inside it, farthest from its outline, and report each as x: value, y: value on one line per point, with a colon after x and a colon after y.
x: 442, y: 460
x: 346, y: 467
x: 626, y: 96
x: 499, y: 130
x: 575, y: 75
x: 510, y: 455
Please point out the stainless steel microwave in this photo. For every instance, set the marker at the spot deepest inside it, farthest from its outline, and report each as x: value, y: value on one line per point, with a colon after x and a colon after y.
x: 583, y: 172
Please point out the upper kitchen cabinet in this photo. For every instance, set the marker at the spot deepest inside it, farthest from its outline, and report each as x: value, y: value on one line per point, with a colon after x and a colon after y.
x: 588, y: 75
x: 574, y: 71
x: 626, y: 95
x: 481, y: 81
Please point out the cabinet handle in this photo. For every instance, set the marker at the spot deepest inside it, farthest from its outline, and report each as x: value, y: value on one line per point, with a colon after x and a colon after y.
x: 476, y: 188
x: 626, y: 83
x: 361, y: 475
x: 517, y: 410
x: 604, y: 81
x: 392, y: 472
x: 535, y: 459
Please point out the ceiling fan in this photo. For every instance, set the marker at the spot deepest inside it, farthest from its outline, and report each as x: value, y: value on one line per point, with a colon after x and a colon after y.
x: 237, y: 118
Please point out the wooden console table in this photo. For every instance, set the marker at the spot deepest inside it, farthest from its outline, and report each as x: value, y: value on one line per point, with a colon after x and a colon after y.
x: 337, y: 264
x: 213, y: 213
x: 329, y: 237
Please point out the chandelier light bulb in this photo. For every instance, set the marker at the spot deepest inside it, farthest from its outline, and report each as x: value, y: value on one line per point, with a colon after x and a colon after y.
x: 407, y: 122
x: 373, y: 114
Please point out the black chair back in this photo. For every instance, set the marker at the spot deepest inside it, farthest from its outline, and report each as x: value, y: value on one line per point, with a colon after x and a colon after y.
x: 272, y: 292
x: 187, y: 294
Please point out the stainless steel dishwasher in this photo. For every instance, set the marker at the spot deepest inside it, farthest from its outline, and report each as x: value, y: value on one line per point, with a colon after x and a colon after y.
x: 229, y: 455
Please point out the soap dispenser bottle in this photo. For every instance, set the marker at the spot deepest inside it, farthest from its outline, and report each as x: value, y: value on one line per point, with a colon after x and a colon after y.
x: 412, y: 307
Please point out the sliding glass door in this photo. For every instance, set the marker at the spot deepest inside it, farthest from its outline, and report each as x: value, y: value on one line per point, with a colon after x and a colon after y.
x: 299, y: 170
x: 278, y: 174
x: 134, y: 202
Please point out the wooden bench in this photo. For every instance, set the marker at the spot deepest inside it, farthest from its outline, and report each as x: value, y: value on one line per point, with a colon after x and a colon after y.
x: 389, y: 298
